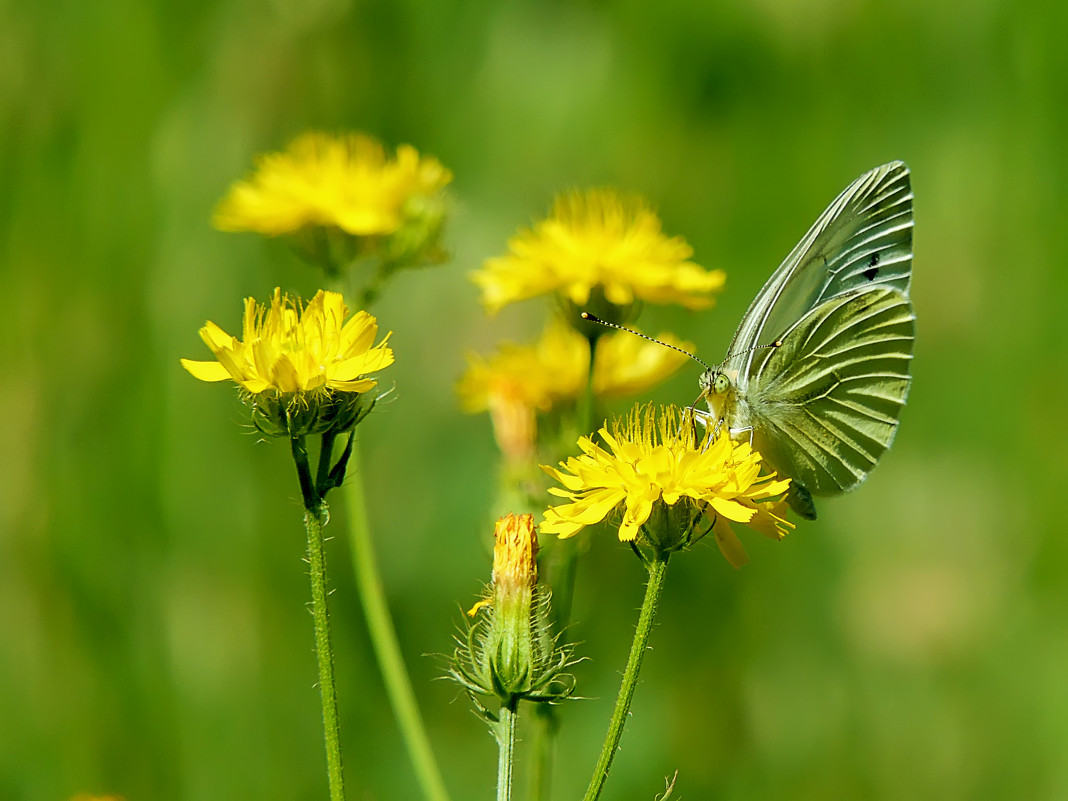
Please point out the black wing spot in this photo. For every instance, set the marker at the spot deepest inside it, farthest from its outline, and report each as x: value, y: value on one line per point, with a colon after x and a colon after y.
x: 872, y: 270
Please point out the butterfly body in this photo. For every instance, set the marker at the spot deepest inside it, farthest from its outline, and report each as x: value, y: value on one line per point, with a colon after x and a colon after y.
x: 818, y: 370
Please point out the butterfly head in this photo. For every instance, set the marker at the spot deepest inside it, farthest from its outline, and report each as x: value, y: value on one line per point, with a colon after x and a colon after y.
x: 717, y: 389
x: 716, y: 381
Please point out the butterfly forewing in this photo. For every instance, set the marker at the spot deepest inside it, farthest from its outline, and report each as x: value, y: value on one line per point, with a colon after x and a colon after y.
x: 863, y: 240
x: 824, y: 405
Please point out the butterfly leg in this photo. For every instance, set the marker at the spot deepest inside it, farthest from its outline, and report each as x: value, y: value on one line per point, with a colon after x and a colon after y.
x: 736, y: 431
x: 706, y: 419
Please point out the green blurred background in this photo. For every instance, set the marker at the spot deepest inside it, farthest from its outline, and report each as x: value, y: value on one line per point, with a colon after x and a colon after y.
x: 154, y: 639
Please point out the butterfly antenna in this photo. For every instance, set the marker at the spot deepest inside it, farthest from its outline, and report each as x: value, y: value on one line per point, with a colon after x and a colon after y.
x: 592, y: 319
x: 776, y: 344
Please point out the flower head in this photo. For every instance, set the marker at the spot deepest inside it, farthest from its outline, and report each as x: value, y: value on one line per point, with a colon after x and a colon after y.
x: 343, y: 181
x: 598, y: 240
x: 290, y: 348
x: 666, y: 480
x: 305, y: 365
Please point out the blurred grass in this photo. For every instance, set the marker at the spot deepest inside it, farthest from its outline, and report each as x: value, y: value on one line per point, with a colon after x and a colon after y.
x: 153, y: 637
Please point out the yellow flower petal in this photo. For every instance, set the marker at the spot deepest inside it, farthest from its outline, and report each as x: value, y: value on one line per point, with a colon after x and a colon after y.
x: 206, y: 371
x: 729, y: 544
x: 732, y: 510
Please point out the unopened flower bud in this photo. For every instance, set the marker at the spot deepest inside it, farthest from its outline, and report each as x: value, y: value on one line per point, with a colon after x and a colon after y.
x: 509, y: 651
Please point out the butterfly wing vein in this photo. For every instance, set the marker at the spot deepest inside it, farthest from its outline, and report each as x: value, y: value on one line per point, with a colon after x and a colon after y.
x: 826, y: 403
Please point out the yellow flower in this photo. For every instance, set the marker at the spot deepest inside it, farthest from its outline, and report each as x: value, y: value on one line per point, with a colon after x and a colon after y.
x: 555, y: 368
x: 286, y: 348
x: 655, y: 461
x: 342, y: 181
x: 598, y: 239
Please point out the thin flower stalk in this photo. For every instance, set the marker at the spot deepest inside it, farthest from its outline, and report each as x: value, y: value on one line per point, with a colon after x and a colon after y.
x: 383, y: 635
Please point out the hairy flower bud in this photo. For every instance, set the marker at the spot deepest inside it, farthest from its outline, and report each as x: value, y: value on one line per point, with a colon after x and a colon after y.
x: 509, y: 651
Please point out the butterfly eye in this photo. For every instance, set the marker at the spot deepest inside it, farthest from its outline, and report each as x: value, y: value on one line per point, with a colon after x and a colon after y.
x: 721, y: 384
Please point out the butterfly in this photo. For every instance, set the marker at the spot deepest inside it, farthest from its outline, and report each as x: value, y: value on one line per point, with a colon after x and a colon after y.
x: 818, y: 371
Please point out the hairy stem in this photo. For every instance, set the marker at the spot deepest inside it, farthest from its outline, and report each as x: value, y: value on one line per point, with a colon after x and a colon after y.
x: 506, y: 750
x: 313, y: 522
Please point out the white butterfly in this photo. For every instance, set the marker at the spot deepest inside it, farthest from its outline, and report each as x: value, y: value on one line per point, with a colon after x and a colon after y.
x: 818, y: 370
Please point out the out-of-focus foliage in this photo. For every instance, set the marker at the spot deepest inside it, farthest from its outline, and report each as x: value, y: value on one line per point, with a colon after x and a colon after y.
x: 154, y: 641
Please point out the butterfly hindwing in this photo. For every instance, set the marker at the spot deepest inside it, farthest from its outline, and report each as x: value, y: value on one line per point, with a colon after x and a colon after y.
x: 824, y: 405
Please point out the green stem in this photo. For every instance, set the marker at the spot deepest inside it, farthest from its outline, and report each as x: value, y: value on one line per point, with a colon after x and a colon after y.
x: 313, y: 522
x: 653, y: 589
x: 384, y: 639
x: 506, y: 750
x: 585, y: 404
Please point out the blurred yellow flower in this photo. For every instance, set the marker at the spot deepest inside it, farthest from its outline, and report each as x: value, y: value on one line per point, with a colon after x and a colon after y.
x: 344, y: 181
x: 287, y: 348
x: 555, y: 368
x: 627, y: 365
x: 598, y: 239
x: 655, y: 461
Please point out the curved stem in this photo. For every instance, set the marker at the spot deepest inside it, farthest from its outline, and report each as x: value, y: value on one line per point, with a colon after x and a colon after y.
x: 313, y: 522
x: 653, y: 590
x: 384, y: 639
x: 506, y: 750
